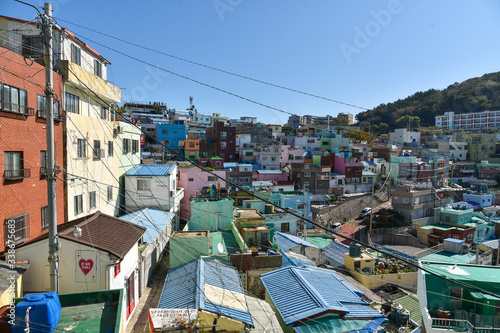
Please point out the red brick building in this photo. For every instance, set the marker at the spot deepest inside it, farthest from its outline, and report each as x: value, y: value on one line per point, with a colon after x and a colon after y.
x: 225, y: 138
x: 23, y: 147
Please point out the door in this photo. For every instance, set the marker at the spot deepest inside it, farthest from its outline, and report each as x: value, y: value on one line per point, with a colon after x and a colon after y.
x: 130, y: 289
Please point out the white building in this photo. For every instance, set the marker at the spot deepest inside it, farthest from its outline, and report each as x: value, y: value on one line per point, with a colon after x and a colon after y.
x: 103, y: 256
x: 153, y: 185
x: 469, y: 121
x: 306, y: 142
x: 400, y: 136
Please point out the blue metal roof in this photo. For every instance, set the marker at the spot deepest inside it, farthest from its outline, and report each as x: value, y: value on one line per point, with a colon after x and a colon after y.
x: 154, y: 220
x: 335, y: 251
x: 151, y: 170
x: 302, y: 292
x: 286, y: 241
x: 186, y: 287
x: 294, y: 259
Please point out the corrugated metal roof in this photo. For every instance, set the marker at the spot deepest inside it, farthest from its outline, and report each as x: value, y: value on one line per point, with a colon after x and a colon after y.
x: 301, y: 292
x: 151, y: 170
x: 286, y: 241
x: 207, y: 285
x: 410, y: 303
x: 154, y: 220
x: 335, y: 251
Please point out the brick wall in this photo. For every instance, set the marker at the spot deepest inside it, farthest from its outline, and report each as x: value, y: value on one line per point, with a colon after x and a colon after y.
x: 27, y: 134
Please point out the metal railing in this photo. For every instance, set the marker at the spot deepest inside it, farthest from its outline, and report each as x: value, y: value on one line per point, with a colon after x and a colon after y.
x: 16, y: 108
x: 459, y: 325
x: 17, y: 174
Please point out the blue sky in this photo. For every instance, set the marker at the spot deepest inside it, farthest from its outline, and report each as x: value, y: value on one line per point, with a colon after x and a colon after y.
x: 358, y: 52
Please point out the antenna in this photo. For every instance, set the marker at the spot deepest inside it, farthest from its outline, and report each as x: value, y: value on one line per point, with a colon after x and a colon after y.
x: 191, y: 98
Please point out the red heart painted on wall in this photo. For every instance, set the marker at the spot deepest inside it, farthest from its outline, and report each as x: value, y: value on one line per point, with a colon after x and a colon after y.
x: 86, y: 265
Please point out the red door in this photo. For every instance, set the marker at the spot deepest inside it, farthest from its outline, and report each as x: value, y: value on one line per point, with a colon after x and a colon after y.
x: 130, y: 289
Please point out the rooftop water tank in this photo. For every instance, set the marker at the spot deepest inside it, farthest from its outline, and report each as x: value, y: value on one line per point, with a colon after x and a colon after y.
x: 355, y: 250
x: 44, y: 313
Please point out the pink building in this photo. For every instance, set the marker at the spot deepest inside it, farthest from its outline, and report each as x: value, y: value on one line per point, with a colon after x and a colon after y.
x: 291, y: 155
x: 192, y: 179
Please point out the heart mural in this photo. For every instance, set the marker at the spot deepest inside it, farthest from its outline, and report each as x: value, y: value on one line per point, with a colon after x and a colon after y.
x: 86, y: 265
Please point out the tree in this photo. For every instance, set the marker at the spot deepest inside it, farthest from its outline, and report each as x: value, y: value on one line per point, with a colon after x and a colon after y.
x: 408, y: 121
x: 383, y: 128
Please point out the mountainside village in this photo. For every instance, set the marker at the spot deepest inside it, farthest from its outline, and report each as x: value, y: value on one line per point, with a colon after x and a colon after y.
x: 169, y: 219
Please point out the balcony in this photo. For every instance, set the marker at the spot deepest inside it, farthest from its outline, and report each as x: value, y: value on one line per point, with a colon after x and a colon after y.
x: 43, y: 114
x: 17, y: 174
x: 16, y: 108
x: 85, y: 80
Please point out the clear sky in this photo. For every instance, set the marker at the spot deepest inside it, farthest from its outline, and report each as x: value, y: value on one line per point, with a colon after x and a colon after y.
x: 358, y: 52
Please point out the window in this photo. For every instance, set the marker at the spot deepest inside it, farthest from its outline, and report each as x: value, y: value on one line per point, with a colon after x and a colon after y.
x: 212, y: 178
x: 191, y: 144
x: 130, y: 289
x: 14, y: 168
x: 40, y: 106
x: 233, y: 179
x: 307, y: 174
x: 223, y: 135
x: 300, y: 206
x: 117, y: 269
x: 32, y: 46
x: 190, y: 179
x: 135, y: 146
x: 110, y: 148
x: 97, y: 68
x: 143, y: 184
x: 13, y: 99
x: 285, y: 227
x: 218, y: 163
x: 469, y: 236
x: 19, y: 226
x: 92, y: 198
x: 81, y: 148
x: 43, y: 163
x: 103, y: 112
x: 406, y: 200
x: 126, y: 146
x: 306, y: 184
x: 75, y: 54
x: 244, y: 180
x: 223, y: 145
x: 110, y: 193
x: 447, y: 219
x: 97, y: 149
x: 165, y: 131
x: 78, y: 204
x: 72, y: 103
x: 45, y: 217
x: 298, y: 157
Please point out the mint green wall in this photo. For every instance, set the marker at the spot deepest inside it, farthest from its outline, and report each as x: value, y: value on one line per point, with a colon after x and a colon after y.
x: 454, y: 218
x: 211, y: 215
x: 185, y: 249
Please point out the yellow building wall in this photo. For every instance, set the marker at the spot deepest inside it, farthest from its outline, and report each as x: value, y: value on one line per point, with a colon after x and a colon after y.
x: 9, y: 294
x: 224, y: 323
x: 423, y: 234
x: 374, y: 281
x: 84, y: 78
x: 364, y: 261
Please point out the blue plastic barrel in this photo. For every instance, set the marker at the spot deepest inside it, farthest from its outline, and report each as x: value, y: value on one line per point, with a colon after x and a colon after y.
x: 44, y: 313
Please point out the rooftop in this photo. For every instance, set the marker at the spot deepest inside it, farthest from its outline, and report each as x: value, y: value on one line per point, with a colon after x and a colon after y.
x: 313, y: 291
x: 101, y: 231
x: 151, y: 170
x: 467, y: 273
x: 154, y: 220
x: 450, y: 257
x: 247, y: 214
x: 287, y: 241
x: 206, y: 285
x: 320, y: 241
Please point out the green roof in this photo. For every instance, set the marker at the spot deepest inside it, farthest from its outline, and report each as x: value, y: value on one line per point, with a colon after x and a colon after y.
x: 226, y: 238
x: 320, y: 241
x: 467, y: 273
x: 410, y: 303
x: 450, y: 257
x: 438, y: 226
x: 330, y: 324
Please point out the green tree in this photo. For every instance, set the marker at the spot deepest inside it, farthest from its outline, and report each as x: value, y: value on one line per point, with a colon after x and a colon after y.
x: 408, y: 121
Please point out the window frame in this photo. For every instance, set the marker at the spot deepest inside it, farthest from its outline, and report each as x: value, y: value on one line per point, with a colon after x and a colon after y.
x: 92, y: 200
x: 143, y: 182
x: 78, y: 204
x: 45, y: 217
x: 81, y: 148
x: 21, y: 233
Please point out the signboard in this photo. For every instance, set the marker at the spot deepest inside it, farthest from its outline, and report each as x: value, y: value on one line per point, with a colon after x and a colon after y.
x: 171, y: 319
x: 85, y: 266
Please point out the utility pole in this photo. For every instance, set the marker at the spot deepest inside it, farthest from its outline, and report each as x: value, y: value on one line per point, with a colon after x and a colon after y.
x: 305, y: 207
x: 371, y: 204
x: 51, y: 176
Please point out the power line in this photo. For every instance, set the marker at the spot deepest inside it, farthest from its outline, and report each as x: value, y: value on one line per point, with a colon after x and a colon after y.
x: 213, y: 68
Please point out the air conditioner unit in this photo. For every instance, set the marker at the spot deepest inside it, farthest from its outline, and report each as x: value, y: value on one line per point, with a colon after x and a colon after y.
x: 99, y: 153
x: 299, y: 234
x: 118, y: 130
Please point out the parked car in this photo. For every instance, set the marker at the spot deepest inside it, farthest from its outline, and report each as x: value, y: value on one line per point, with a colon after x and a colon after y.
x: 365, y: 212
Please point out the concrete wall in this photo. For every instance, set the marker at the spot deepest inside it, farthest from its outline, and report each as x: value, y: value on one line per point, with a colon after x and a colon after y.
x: 349, y: 209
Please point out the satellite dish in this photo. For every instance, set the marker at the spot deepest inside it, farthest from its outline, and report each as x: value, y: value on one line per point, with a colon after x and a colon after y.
x: 220, y: 247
